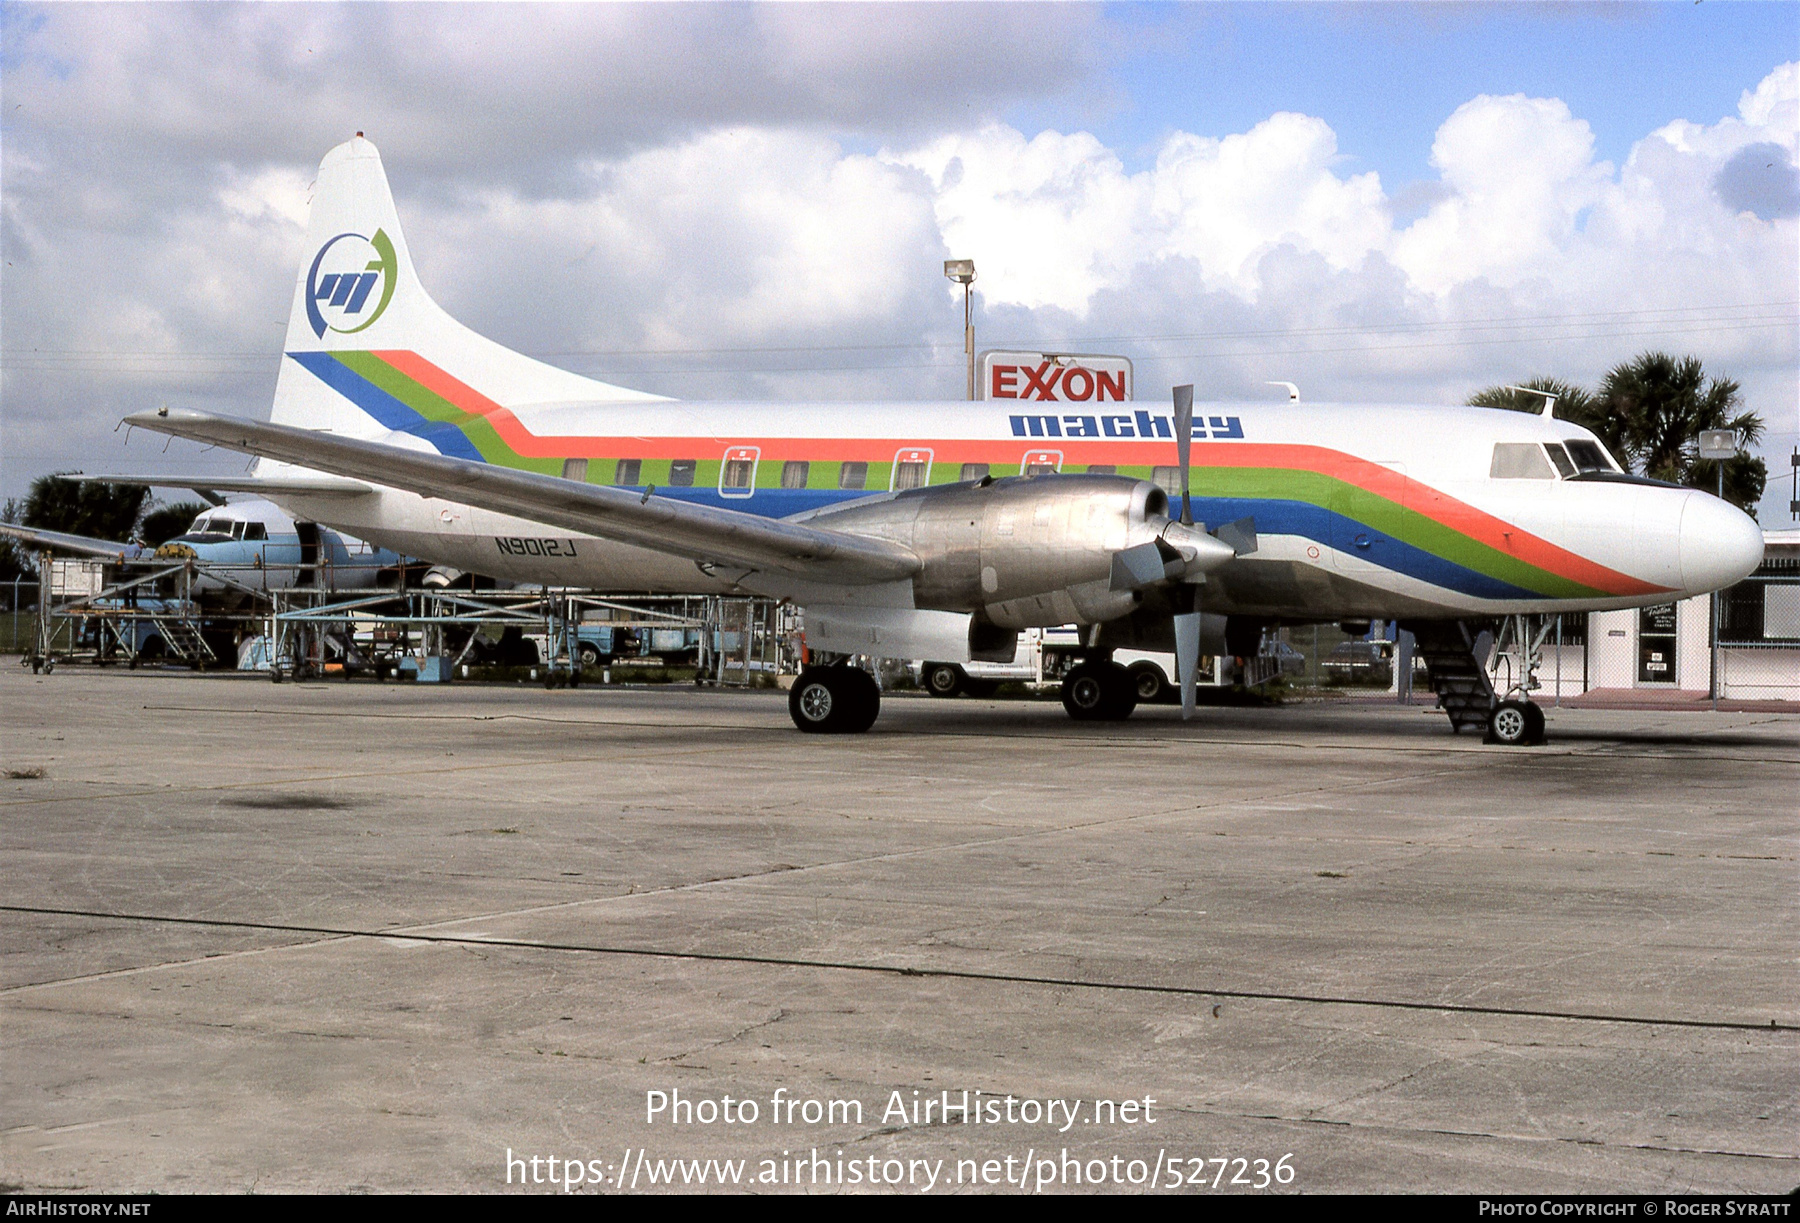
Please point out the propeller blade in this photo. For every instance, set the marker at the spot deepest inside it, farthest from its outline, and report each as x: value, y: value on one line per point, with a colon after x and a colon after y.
x: 1136, y: 568
x: 1184, y: 444
x: 1187, y: 645
x: 1239, y: 535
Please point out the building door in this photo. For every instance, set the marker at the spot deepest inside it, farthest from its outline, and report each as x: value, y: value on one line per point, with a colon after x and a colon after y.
x: 1656, y: 644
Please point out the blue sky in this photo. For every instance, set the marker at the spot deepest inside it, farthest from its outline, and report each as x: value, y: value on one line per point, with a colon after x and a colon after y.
x: 1384, y: 76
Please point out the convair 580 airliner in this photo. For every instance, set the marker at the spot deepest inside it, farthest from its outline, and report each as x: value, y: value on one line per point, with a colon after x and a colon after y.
x: 940, y: 530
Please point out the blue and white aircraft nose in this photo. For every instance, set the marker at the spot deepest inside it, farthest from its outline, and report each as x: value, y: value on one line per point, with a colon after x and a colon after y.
x: 1720, y: 544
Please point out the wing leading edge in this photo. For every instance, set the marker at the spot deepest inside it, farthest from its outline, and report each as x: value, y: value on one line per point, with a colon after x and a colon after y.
x: 704, y: 534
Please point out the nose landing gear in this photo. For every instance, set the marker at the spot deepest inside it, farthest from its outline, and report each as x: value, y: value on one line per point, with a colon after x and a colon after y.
x: 1516, y: 723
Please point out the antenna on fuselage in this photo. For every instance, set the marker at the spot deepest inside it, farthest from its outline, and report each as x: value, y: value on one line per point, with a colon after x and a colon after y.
x: 1292, y: 390
x: 1549, y: 399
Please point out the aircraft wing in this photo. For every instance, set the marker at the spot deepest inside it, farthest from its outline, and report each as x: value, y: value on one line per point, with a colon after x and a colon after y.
x: 701, y: 533
x: 81, y: 545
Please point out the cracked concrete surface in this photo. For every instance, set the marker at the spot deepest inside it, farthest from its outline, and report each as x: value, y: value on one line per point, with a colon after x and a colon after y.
x: 1640, y: 870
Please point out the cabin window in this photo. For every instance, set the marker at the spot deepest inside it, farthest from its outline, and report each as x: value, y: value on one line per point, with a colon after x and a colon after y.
x: 255, y: 530
x: 1565, y: 466
x: 974, y: 471
x: 1041, y: 462
x: 1520, y: 461
x: 1102, y: 469
x: 1587, y: 455
x: 853, y: 475
x: 1167, y: 478
x: 737, y: 473
x: 681, y: 473
x: 628, y: 471
x: 794, y: 473
x: 575, y: 469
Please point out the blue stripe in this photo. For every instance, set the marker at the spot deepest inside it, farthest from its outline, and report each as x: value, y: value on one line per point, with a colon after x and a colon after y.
x: 447, y: 438
x: 1297, y: 518
x: 1314, y: 522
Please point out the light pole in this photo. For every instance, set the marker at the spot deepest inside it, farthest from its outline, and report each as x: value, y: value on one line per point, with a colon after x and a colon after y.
x: 1717, y: 445
x: 962, y: 271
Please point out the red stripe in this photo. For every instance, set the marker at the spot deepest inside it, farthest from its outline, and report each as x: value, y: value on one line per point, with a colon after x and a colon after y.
x: 1477, y: 524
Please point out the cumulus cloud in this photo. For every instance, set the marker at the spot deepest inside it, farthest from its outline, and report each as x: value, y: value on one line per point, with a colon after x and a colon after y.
x: 1760, y: 178
x: 494, y: 91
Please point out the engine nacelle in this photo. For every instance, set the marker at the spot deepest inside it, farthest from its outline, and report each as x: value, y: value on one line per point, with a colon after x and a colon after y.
x: 1025, y: 552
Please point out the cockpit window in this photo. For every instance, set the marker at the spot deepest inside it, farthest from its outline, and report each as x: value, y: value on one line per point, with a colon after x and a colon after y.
x: 1588, y: 456
x: 255, y: 530
x: 1565, y: 466
x: 1520, y: 461
x: 210, y: 526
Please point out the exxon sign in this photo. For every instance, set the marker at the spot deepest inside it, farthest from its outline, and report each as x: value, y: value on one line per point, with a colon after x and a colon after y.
x: 1050, y: 377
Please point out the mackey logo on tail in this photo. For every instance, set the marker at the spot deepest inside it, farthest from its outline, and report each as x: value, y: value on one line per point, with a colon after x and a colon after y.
x: 341, y: 281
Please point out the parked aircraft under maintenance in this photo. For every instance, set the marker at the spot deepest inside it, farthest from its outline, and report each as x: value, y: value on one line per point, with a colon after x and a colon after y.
x: 938, y: 531
x: 241, y: 546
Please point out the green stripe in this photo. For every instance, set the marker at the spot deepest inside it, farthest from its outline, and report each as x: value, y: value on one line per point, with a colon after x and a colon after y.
x: 1387, y: 517
x: 435, y: 407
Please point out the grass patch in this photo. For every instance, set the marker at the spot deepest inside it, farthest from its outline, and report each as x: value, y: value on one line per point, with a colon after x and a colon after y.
x: 30, y: 773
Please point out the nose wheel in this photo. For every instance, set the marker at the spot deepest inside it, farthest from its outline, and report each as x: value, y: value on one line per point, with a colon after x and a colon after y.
x: 834, y: 701
x: 1516, y: 724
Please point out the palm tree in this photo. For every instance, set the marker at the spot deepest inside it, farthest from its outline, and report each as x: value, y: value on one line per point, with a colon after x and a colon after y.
x: 103, y: 511
x: 1655, y: 407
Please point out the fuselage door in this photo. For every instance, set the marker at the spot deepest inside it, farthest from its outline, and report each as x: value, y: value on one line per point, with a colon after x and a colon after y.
x: 1367, y: 509
x: 309, y: 555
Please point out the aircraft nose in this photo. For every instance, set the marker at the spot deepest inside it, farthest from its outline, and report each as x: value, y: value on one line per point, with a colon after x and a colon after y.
x: 1720, y: 544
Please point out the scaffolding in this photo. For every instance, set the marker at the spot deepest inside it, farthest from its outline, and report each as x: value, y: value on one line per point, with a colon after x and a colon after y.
x: 137, y: 611
x: 292, y: 623
x: 434, y: 635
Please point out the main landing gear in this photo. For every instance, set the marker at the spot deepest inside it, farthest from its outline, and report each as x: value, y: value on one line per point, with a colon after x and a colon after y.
x: 836, y: 700
x: 1096, y: 691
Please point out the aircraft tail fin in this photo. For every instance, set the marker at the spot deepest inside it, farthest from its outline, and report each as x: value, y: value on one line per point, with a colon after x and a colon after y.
x: 369, y: 352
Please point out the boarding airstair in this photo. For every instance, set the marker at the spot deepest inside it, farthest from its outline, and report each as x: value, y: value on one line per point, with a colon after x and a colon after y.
x: 1460, y: 679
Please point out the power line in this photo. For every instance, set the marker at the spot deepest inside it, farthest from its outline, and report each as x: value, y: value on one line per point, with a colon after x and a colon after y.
x: 50, y: 358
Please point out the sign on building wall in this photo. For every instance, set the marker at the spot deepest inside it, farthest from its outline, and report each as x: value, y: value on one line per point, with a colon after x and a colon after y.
x: 1050, y: 377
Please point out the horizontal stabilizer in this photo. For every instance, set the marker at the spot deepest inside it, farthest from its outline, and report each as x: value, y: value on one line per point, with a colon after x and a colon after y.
x: 317, y: 486
x: 705, y: 534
